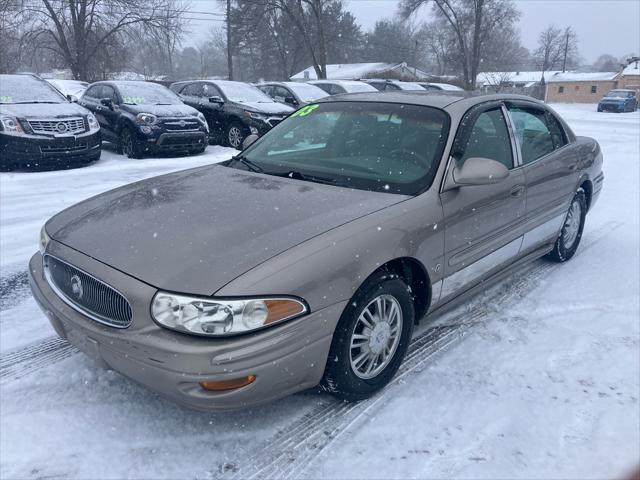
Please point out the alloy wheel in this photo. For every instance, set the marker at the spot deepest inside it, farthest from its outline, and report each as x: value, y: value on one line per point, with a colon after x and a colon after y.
x: 572, y: 224
x: 375, y: 336
x: 235, y: 136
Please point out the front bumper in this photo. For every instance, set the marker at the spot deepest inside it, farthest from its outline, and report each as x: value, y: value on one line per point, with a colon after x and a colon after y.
x: 285, y: 359
x: 44, y: 151
x: 611, y: 107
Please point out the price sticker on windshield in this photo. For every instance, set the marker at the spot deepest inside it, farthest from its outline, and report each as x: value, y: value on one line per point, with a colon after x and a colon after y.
x: 304, y: 111
x: 5, y: 99
x: 138, y: 100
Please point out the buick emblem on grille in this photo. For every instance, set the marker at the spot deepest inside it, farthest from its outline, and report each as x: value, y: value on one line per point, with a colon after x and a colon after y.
x: 61, y: 127
x: 182, y: 123
x: 76, y: 287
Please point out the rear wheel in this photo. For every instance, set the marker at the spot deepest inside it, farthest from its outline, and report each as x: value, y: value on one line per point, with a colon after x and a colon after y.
x: 371, y: 339
x: 571, y: 233
x: 129, y: 144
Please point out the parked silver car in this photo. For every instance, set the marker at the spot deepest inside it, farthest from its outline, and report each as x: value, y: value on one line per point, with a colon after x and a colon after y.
x: 308, y: 258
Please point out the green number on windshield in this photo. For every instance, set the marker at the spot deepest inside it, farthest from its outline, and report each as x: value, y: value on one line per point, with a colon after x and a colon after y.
x: 304, y: 111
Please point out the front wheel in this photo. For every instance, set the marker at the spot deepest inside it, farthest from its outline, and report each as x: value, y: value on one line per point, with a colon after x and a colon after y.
x: 234, y: 135
x: 571, y: 233
x: 129, y: 144
x: 371, y: 339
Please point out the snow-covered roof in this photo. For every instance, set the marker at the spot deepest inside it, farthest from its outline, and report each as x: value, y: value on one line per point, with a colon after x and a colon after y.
x: 492, y: 78
x: 632, y: 69
x: 353, y: 71
x: 446, y: 86
x: 581, y: 77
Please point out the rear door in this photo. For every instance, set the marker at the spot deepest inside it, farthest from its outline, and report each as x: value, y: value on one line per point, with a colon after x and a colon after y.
x: 550, y: 170
x: 483, y: 224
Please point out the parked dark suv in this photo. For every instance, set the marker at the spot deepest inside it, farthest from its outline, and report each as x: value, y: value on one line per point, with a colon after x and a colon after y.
x: 619, y: 101
x: 144, y: 117
x: 234, y: 110
x: 40, y: 128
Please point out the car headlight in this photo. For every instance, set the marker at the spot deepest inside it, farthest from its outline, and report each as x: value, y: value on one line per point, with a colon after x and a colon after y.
x: 219, y: 317
x: 11, y: 126
x: 44, y: 239
x: 203, y: 120
x: 146, y: 118
x: 256, y: 116
x: 94, y: 126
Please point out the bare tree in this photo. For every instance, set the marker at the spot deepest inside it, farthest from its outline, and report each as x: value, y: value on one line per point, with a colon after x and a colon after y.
x: 77, y: 30
x: 471, y: 23
x: 557, y: 48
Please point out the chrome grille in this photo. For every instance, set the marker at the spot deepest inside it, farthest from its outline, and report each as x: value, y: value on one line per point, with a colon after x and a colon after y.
x: 87, y: 294
x: 58, y: 126
x: 181, y: 124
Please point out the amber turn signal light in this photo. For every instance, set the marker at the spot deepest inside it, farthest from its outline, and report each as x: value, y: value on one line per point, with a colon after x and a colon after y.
x: 281, y: 309
x: 224, y: 385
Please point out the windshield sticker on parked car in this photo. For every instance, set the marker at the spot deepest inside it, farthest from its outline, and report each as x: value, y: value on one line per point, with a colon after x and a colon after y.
x: 304, y: 111
x: 134, y: 100
x: 6, y: 99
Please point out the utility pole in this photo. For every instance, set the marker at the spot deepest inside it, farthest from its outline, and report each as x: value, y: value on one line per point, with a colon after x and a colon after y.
x: 229, y: 48
x: 566, y: 48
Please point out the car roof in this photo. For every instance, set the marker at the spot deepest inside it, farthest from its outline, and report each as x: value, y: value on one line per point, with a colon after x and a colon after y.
x: 438, y: 99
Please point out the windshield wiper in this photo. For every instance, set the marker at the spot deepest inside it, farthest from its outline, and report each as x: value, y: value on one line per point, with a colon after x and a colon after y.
x: 31, y: 101
x: 248, y: 163
x: 303, y: 176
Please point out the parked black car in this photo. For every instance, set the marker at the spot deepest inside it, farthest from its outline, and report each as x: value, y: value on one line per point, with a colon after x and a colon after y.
x: 144, y: 117
x: 234, y: 110
x: 619, y: 101
x: 40, y: 127
x: 294, y: 94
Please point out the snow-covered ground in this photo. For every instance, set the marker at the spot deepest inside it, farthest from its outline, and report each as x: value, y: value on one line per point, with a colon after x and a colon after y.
x: 538, y: 377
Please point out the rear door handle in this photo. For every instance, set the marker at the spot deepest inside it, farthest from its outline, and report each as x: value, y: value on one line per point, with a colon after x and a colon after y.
x: 517, y: 191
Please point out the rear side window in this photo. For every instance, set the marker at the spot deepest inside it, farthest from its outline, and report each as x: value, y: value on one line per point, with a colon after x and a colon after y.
x: 93, y: 92
x: 537, y: 132
x: 489, y: 138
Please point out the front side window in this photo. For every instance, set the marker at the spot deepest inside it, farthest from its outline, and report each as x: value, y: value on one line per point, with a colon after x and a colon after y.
x: 209, y: 90
x: 489, y: 138
x: 388, y: 148
x: 192, y: 90
x: 537, y: 132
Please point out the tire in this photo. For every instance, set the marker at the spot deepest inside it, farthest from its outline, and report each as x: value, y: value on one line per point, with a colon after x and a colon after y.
x: 571, y: 233
x: 234, y: 135
x: 346, y: 374
x: 128, y: 144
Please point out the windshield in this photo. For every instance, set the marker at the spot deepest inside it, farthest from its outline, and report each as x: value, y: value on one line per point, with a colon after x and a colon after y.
x: 27, y: 89
x: 382, y: 147
x: 307, y: 93
x: 146, y: 93
x: 241, y: 92
x: 358, y: 87
x: 409, y: 86
x: 619, y: 94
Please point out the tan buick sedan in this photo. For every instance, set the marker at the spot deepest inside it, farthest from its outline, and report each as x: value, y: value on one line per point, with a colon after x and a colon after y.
x: 308, y: 258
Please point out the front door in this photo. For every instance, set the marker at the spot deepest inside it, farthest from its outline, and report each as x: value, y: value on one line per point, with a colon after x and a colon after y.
x: 483, y: 228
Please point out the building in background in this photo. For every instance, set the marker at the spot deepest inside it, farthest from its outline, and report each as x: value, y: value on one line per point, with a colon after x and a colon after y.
x: 630, y: 75
x: 579, y: 87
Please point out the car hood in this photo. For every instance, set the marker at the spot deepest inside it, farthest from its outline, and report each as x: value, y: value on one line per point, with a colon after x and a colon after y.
x: 179, y: 110
x: 614, y: 99
x: 196, y: 230
x: 274, y: 108
x: 49, y: 110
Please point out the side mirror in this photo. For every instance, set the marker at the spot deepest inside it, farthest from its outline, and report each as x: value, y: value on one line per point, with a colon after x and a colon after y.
x: 72, y: 98
x: 106, y: 102
x: 480, y: 171
x: 249, y: 141
x: 290, y: 100
x: 216, y: 99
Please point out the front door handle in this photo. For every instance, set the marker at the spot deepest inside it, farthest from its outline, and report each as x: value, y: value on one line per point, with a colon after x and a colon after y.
x: 517, y: 191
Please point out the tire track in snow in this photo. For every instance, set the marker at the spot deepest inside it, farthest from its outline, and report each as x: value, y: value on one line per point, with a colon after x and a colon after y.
x: 13, y: 289
x: 23, y: 361
x: 291, y: 451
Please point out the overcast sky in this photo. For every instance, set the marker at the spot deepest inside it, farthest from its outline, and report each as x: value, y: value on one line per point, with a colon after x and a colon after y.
x: 603, y: 26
